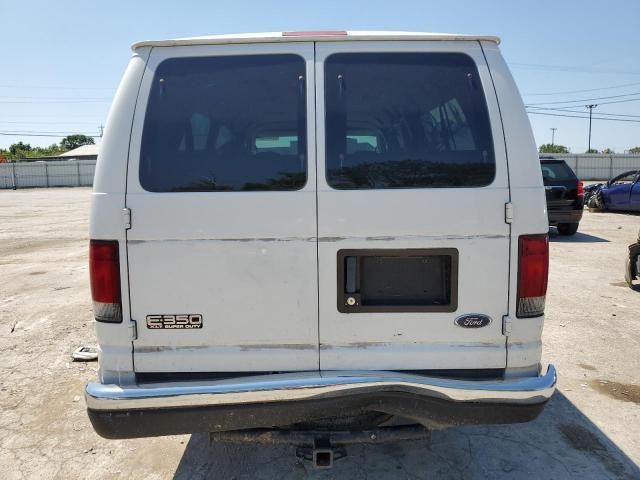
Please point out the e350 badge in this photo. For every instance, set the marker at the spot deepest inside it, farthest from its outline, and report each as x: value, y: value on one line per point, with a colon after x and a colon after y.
x: 176, y: 322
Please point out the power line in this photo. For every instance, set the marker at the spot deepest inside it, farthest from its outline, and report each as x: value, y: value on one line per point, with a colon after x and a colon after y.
x: 55, y: 101
x: 583, y: 91
x: 618, y: 101
x: 40, y: 131
x: 44, y: 135
x: 568, y: 109
x: 55, y: 123
x: 56, y: 87
x: 564, y: 68
x: 583, y: 116
x: 586, y: 99
x: 581, y: 104
x: 52, y: 115
x: 13, y: 97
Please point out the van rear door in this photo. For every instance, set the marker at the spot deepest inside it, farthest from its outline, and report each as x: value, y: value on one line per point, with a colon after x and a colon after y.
x: 221, y: 186
x: 412, y: 187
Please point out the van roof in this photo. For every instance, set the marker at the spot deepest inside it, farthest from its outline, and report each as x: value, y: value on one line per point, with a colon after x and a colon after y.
x: 312, y: 36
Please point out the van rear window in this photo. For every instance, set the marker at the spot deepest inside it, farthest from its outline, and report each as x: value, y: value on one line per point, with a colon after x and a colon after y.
x: 232, y: 123
x: 406, y: 120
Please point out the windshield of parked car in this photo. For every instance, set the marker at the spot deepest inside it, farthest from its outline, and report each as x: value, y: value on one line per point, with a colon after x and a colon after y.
x: 627, y: 177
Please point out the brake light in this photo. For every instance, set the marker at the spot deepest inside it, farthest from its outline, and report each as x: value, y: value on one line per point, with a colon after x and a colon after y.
x: 104, y: 272
x: 533, y: 271
x: 580, y: 188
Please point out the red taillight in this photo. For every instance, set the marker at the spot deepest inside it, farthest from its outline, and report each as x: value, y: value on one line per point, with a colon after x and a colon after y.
x: 104, y: 271
x: 580, y: 188
x: 533, y: 270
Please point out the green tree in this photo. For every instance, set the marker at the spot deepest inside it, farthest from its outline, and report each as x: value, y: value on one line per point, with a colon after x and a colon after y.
x: 591, y: 150
x: 607, y: 151
x: 19, y: 148
x: 21, y: 151
x: 75, y: 141
x: 50, y: 151
x: 634, y: 150
x: 553, y: 148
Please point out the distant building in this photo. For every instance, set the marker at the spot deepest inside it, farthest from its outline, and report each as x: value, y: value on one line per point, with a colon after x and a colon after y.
x: 85, y: 152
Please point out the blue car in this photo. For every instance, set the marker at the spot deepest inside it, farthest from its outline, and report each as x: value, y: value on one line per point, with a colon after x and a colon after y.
x: 619, y: 193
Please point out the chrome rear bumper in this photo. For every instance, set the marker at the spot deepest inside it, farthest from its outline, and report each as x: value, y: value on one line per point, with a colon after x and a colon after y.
x: 284, y: 400
x: 315, y: 386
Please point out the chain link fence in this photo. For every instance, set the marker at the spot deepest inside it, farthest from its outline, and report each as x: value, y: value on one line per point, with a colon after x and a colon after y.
x: 79, y: 173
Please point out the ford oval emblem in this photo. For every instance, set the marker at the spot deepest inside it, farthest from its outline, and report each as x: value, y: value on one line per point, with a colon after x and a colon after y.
x: 473, y: 320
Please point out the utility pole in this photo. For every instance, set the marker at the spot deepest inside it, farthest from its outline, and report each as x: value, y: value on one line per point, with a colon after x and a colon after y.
x: 553, y: 134
x: 590, y: 107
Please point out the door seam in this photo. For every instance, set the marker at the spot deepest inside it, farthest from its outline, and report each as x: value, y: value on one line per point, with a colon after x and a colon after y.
x: 510, y: 225
x: 315, y: 149
x: 126, y: 198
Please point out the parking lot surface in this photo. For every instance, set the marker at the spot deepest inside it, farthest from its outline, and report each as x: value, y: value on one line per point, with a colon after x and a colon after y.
x: 590, y: 429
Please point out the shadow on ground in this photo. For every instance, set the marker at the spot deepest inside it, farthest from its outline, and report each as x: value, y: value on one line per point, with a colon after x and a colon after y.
x: 578, y: 237
x: 562, y: 443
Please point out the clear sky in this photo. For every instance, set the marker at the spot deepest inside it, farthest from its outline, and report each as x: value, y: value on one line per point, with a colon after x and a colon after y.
x: 61, y: 61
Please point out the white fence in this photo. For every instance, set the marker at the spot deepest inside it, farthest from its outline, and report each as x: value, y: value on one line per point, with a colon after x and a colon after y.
x: 79, y: 173
x: 599, y: 167
x: 69, y: 173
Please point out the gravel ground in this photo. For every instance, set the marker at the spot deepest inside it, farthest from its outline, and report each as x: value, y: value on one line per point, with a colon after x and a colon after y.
x: 590, y: 429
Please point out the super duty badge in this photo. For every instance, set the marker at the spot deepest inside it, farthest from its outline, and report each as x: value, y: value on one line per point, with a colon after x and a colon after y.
x: 179, y: 322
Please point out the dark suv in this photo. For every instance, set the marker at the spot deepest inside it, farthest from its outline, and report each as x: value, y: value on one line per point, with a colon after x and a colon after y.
x: 565, y: 194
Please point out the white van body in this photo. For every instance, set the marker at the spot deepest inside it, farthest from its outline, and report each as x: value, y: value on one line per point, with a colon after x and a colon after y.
x: 235, y: 291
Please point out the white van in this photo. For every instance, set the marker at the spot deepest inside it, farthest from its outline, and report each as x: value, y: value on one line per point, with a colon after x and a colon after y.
x: 290, y: 227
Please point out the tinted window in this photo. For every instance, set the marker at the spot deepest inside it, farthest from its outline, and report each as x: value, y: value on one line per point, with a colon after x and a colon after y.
x: 558, y: 170
x: 406, y: 120
x: 226, y: 124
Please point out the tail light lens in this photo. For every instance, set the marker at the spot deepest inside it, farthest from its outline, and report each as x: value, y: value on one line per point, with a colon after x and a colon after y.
x: 580, y: 188
x: 104, y: 271
x: 533, y: 271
